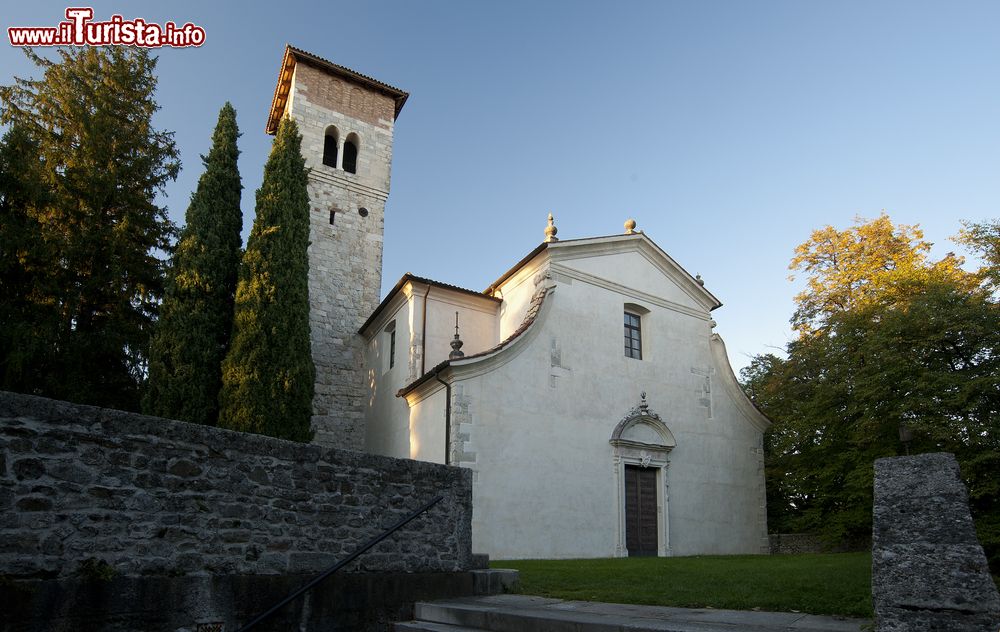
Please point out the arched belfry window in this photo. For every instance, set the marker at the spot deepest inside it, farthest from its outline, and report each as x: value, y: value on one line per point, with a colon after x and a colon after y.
x: 330, y: 147
x: 351, y: 146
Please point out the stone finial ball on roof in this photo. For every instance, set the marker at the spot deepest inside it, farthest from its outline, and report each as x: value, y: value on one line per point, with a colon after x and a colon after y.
x: 630, y: 226
x: 551, y: 230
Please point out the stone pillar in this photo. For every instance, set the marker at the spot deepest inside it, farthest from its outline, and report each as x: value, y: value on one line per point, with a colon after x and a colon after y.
x: 928, y: 569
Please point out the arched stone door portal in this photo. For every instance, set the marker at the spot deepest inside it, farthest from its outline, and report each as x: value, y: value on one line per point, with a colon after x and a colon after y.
x: 640, y: 445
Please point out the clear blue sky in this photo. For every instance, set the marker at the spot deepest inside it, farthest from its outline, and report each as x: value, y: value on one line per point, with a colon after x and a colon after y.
x: 728, y: 130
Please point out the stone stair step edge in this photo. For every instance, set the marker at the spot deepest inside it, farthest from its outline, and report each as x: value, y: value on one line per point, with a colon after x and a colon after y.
x: 500, y: 619
x: 428, y: 626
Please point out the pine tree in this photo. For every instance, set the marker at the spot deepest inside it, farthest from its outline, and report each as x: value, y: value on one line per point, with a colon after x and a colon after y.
x: 28, y: 315
x: 196, y: 317
x: 268, y: 374
x: 98, y: 228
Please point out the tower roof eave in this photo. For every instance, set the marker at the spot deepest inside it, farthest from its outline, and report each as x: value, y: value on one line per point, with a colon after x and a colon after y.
x: 295, y: 55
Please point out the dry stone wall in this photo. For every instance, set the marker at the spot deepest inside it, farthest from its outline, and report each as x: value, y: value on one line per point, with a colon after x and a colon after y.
x: 794, y: 543
x: 928, y: 569
x: 148, y: 496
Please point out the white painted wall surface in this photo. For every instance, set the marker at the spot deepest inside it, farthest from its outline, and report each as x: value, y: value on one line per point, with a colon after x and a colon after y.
x: 426, y: 427
x: 477, y: 324
x: 634, y: 270
x: 387, y: 419
x: 516, y: 293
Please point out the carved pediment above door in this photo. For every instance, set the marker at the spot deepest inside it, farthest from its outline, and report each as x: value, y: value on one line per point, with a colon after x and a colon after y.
x: 643, y: 429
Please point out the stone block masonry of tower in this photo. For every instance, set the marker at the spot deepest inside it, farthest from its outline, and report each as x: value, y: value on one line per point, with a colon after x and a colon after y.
x: 346, y: 227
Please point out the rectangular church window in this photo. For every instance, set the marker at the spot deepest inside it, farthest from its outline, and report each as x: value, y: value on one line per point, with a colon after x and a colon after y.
x: 633, y: 336
x: 392, y: 349
x: 388, y: 342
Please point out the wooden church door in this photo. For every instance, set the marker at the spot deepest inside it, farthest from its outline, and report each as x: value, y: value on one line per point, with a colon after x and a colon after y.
x: 641, y: 520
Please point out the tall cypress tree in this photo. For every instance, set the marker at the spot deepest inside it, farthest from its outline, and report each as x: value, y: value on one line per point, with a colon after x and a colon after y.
x: 268, y: 374
x: 196, y: 317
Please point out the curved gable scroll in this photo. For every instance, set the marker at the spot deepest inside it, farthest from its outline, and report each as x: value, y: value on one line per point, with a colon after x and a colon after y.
x: 643, y: 428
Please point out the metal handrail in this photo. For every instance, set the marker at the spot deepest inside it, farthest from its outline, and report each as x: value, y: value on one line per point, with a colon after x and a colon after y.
x: 344, y: 562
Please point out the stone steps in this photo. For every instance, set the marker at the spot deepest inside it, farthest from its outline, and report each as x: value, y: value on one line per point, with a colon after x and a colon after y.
x: 428, y: 626
x: 523, y: 613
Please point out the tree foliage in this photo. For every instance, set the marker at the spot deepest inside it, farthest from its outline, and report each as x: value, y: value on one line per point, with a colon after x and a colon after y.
x: 28, y: 315
x: 268, y: 374
x: 917, y: 350
x: 983, y: 238
x: 871, y: 262
x: 82, y: 164
x: 196, y: 318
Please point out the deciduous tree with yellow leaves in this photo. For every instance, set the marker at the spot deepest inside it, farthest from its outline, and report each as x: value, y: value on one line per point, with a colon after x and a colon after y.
x: 871, y: 263
x: 892, y: 345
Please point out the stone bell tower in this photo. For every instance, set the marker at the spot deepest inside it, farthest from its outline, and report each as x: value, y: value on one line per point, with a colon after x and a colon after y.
x: 346, y: 120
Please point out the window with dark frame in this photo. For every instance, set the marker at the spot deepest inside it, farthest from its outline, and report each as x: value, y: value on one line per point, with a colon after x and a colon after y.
x: 633, y: 336
x: 387, y: 346
x: 392, y: 348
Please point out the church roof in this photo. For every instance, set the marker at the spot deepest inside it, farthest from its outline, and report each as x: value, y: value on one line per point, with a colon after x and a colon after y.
x: 517, y: 266
x: 562, y: 243
x: 537, y: 299
x: 296, y: 55
x: 529, y: 318
x: 406, y: 278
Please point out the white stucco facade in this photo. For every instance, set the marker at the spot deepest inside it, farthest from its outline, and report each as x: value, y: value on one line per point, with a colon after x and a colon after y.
x: 534, y: 406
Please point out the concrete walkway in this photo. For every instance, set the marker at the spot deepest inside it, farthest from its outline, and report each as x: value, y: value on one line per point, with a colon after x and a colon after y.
x: 523, y: 612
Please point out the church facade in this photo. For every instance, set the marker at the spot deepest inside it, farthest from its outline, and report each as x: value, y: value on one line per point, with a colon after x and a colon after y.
x: 585, y: 387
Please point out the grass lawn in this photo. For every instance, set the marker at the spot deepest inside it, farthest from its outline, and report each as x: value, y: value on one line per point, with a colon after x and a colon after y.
x: 836, y: 583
